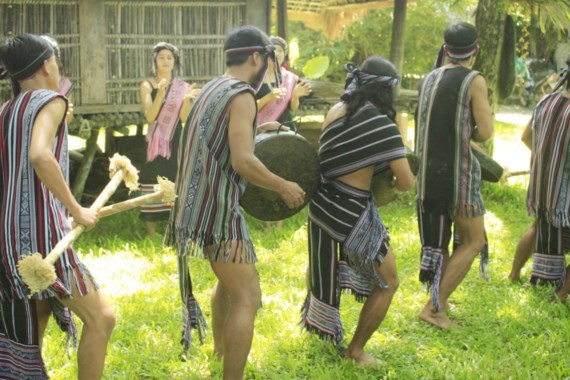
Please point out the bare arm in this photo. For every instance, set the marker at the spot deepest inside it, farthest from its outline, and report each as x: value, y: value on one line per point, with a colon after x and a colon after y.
x: 481, y: 109
x: 240, y: 134
x: 191, y: 94
x: 403, y: 173
x: 151, y: 108
x: 274, y: 94
x: 46, y: 166
x: 301, y: 89
x: 526, y: 137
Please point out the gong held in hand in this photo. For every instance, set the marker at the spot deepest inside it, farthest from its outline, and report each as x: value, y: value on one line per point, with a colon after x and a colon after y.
x: 290, y: 156
x: 384, y: 191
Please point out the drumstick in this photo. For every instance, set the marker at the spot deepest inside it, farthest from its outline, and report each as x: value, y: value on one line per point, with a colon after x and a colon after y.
x: 38, y: 272
x: 164, y: 192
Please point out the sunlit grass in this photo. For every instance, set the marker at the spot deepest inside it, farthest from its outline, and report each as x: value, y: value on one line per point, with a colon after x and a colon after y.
x: 506, y: 331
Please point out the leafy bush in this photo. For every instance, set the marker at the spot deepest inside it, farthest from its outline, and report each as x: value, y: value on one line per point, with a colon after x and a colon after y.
x: 426, y: 21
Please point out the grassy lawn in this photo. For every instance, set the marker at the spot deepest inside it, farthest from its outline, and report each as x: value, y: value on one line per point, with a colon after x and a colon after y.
x: 506, y: 331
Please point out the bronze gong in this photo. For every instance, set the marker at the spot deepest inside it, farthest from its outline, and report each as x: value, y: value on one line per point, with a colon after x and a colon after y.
x: 383, y: 187
x: 290, y: 156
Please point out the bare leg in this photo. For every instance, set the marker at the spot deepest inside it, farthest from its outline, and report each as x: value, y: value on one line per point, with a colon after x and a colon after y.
x: 563, y: 292
x: 241, y: 284
x: 98, y: 322
x: 150, y: 228
x: 220, y: 307
x: 523, y: 253
x: 43, y: 309
x: 472, y: 232
x: 373, y: 312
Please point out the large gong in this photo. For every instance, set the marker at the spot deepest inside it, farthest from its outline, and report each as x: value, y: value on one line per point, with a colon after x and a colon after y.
x: 290, y: 156
x: 383, y: 187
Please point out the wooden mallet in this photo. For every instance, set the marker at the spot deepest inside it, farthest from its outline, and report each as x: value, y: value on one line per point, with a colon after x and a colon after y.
x: 164, y: 192
x: 38, y: 272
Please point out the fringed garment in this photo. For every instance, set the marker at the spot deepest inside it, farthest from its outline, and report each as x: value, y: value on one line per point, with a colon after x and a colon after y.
x: 449, y: 175
x: 346, y: 235
x: 548, y: 196
x: 33, y: 220
x: 206, y: 219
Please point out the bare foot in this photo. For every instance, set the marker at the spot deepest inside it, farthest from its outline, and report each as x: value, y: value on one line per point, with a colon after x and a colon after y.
x: 438, y: 319
x: 446, y: 307
x: 365, y: 360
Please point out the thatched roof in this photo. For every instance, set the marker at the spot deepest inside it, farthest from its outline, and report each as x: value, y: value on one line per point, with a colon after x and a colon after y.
x: 331, y: 15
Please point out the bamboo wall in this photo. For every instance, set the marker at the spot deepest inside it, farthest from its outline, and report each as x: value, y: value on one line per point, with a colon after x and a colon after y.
x: 197, y: 28
x: 131, y: 28
x: 57, y: 18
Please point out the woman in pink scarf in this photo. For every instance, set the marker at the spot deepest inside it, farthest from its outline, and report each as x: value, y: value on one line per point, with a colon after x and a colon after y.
x: 166, y: 102
x: 277, y: 103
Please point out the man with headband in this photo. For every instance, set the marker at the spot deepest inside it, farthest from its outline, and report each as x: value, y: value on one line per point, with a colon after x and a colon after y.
x: 348, y: 242
x: 548, y: 135
x: 35, y: 206
x: 216, y: 161
x: 453, y: 109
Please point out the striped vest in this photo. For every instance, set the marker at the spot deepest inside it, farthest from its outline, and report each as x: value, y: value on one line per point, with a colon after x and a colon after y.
x: 207, y: 212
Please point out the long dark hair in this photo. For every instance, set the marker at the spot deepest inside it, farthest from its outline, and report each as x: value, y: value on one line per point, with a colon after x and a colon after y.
x: 379, y: 93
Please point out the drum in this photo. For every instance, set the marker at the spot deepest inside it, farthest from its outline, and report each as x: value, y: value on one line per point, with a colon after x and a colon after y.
x: 290, y: 156
x: 383, y: 187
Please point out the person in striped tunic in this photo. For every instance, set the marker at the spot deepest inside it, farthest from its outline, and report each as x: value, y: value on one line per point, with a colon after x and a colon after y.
x: 348, y: 242
x: 216, y: 161
x: 453, y: 109
x: 549, y: 187
x: 35, y: 205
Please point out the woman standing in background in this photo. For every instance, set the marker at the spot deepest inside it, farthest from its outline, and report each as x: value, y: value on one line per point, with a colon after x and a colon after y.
x: 166, y: 102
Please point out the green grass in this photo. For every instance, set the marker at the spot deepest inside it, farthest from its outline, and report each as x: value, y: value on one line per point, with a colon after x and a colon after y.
x: 507, y: 331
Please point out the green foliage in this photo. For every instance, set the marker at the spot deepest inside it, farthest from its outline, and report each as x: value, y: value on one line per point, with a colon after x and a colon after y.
x: 426, y: 21
x: 506, y: 331
x: 316, y: 67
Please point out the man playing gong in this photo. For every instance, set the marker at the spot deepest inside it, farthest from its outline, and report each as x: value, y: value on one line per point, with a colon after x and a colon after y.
x: 452, y: 110
x: 348, y: 242
x: 216, y: 161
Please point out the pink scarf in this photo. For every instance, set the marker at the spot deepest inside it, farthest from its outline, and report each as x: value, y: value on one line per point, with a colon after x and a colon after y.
x: 161, y: 130
x: 273, y: 110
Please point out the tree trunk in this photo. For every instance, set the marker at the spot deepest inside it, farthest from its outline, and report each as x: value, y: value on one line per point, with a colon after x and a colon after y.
x: 489, y: 20
x: 398, y: 35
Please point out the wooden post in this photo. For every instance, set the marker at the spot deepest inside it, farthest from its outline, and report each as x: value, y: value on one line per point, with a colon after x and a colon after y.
x: 282, y: 20
x: 258, y: 13
x: 93, y: 54
x: 398, y: 35
x: 85, y: 168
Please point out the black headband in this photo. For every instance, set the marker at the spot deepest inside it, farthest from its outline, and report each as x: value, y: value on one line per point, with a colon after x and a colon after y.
x: 23, y: 55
